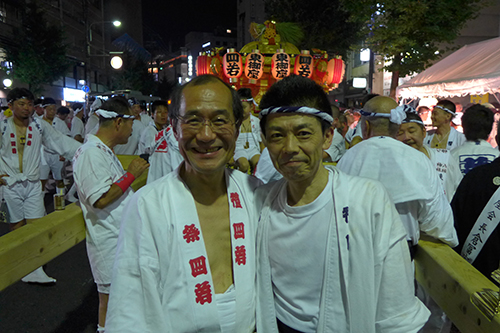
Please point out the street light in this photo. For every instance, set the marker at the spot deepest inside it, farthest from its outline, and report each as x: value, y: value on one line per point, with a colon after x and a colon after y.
x: 7, y: 83
x: 116, y: 62
x: 116, y: 23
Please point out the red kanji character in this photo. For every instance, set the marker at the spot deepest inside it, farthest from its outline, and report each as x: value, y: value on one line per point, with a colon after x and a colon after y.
x: 198, y: 266
x: 191, y: 233
x: 30, y: 136
x: 14, y: 151
x: 30, y: 128
x: 203, y: 293
x: 13, y: 143
x: 29, y: 143
x: 240, y: 255
x: 235, y: 200
x: 12, y: 135
x: 239, y: 230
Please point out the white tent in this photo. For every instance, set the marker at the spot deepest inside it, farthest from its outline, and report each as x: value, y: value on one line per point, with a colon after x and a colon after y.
x: 474, y: 69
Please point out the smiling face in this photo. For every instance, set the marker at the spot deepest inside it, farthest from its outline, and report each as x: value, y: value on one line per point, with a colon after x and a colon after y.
x: 206, y: 150
x: 411, y: 134
x: 440, y: 117
x: 295, y: 142
x: 21, y: 108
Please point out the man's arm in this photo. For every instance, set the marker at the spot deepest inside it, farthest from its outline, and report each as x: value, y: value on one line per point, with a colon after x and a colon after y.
x: 135, y: 169
x: 58, y: 142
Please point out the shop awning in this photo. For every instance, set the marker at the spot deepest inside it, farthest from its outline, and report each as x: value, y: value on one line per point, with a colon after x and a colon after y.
x: 472, y: 70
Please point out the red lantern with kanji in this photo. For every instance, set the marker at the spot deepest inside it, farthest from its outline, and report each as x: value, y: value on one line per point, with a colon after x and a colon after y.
x: 203, y: 64
x: 336, y: 69
x: 304, y: 64
x: 232, y: 65
x: 280, y: 65
x: 321, y: 69
x: 254, y: 67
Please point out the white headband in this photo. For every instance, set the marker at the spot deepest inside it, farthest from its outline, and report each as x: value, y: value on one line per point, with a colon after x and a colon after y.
x: 111, y: 114
x: 297, y: 109
x: 396, y: 116
x: 77, y: 110
x: 445, y: 109
x: 420, y: 122
x: 249, y: 100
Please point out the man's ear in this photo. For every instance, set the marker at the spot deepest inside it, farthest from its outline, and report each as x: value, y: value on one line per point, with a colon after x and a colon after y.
x: 263, y: 137
x: 328, y: 137
x: 174, y: 128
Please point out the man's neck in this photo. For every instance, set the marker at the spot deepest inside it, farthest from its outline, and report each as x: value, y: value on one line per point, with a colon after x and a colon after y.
x: 443, y: 129
x: 205, y: 188
x: 21, y: 122
x: 301, y: 193
x: 107, y: 139
x: 159, y: 127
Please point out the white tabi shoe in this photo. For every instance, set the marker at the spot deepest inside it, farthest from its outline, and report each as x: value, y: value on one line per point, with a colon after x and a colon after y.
x: 38, y: 276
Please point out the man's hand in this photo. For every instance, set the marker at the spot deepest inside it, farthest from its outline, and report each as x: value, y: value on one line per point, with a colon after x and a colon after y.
x: 137, y: 167
x: 3, y: 181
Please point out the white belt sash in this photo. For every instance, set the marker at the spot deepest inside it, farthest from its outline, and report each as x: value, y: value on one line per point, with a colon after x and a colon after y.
x: 483, y: 228
x: 195, y: 259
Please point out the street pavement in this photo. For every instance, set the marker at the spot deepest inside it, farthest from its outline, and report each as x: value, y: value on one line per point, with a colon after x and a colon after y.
x: 68, y: 306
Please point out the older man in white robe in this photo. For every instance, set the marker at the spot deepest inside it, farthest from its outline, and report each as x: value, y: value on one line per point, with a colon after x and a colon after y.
x: 408, y: 175
x: 186, y: 253
x: 332, y: 254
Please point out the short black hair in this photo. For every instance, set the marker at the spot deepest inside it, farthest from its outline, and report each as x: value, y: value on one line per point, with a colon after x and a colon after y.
x: 296, y: 90
x: 76, y: 106
x: 245, y: 93
x: 18, y: 93
x: 449, y: 105
x: 38, y: 101
x: 158, y: 103
x: 63, y: 110
x: 174, y: 109
x: 477, y: 122
x: 48, y: 101
x: 118, y: 104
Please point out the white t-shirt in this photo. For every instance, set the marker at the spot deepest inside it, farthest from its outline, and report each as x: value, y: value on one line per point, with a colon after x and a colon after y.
x: 61, y: 126
x: 77, y: 127
x: 132, y: 145
x: 297, y: 247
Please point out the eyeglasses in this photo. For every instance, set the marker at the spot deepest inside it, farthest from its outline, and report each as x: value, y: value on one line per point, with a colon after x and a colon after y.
x: 218, y: 124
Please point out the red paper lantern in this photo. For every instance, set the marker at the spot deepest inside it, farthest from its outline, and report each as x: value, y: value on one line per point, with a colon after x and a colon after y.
x: 254, y: 67
x: 280, y: 64
x: 336, y: 69
x: 304, y: 64
x: 232, y: 65
x: 203, y: 64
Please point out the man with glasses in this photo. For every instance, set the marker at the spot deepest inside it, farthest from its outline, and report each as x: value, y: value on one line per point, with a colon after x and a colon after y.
x: 186, y: 253
x: 104, y: 191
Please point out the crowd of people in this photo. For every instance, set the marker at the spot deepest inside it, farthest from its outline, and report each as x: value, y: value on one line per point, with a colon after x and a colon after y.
x: 287, y: 215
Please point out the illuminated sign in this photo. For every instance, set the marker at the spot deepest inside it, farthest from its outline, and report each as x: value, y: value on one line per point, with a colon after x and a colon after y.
x: 73, y: 95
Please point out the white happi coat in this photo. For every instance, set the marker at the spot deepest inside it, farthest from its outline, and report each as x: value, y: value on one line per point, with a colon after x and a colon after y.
x: 447, y: 168
x: 474, y: 153
x: 161, y: 262
x: 61, y: 126
x: 370, y: 257
x: 95, y: 169
x: 165, y: 156
x: 147, y: 140
x: 337, y: 148
x: 77, y: 127
x: 455, y: 139
x: 248, y: 144
x: 92, y: 124
x: 132, y: 145
x: 38, y: 133
x: 412, y: 183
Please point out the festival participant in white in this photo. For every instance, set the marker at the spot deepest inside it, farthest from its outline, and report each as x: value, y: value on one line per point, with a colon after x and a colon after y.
x: 52, y: 162
x: 186, y: 253
x: 248, y: 145
x: 412, y: 133
x: 21, y: 140
x: 165, y: 156
x: 104, y: 190
x: 332, y: 254
x: 159, y: 122
x: 77, y: 127
x: 444, y: 136
x: 92, y: 124
x: 477, y: 123
x: 338, y: 147
x: 132, y: 145
x: 408, y: 175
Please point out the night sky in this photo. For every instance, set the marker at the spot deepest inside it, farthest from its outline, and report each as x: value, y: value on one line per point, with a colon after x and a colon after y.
x: 173, y: 19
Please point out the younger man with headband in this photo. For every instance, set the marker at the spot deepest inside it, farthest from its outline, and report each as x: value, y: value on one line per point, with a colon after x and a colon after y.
x: 104, y: 190
x: 444, y: 136
x: 331, y: 249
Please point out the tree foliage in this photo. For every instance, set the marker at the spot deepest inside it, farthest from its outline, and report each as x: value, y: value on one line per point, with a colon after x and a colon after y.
x: 326, y: 24
x: 134, y: 75
x: 39, y: 52
x: 411, y: 33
